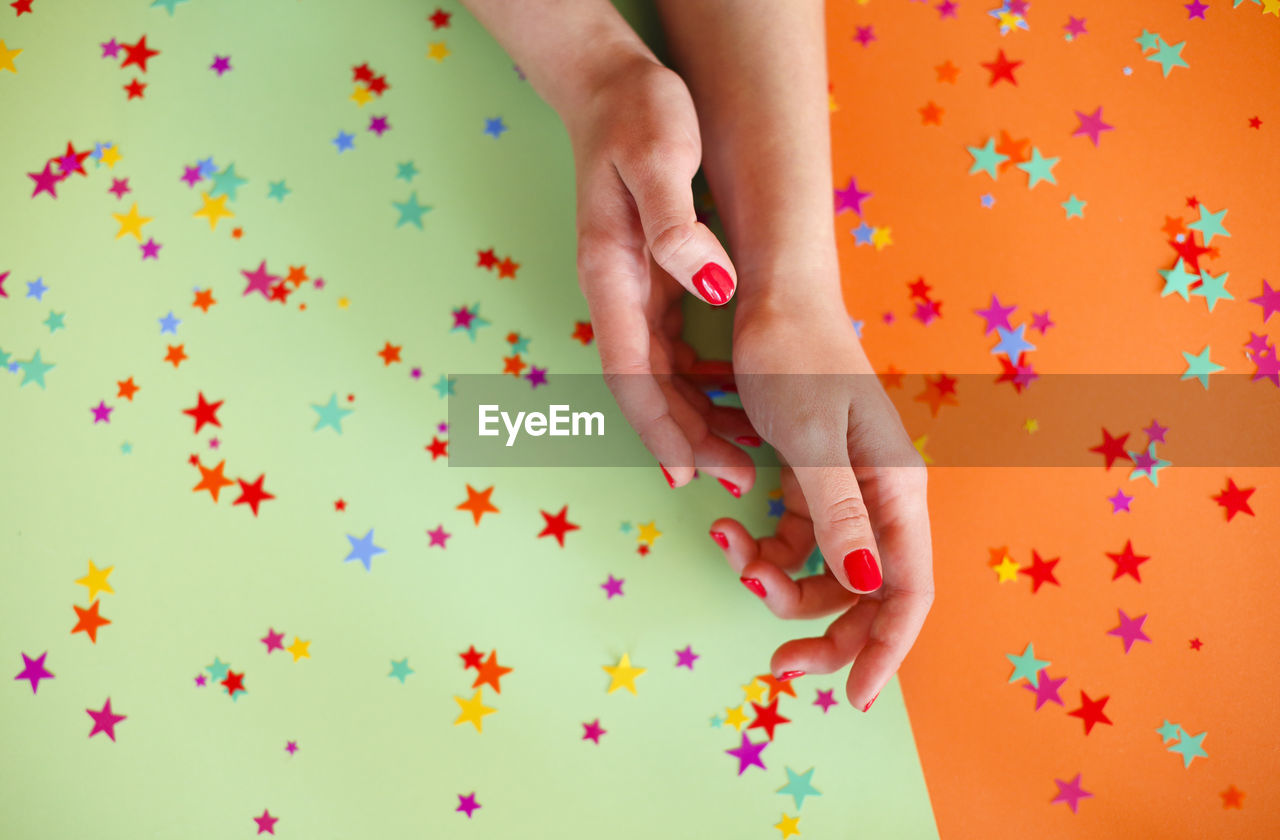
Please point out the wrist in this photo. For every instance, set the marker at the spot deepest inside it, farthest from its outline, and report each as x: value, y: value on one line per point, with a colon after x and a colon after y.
x: 803, y: 283
x: 593, y: 71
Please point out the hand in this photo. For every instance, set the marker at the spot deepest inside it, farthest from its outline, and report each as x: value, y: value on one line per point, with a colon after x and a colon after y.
x: 636, y: 148
x: 856, y: 484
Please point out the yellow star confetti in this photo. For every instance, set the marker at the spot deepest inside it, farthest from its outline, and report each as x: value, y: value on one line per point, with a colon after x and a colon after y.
x: 214, y: 209
x: 438, y: 50
x: 648, y: 533
x: 788, y: 826
x: 754, y: 690
x: 1007, y: 570
x: 7, y: 56
x: 734, y: 717
x: 131, y: 222
x: 299, y: 649
x: 623, y: 675
x: 473, y: 710
x: 96, y: 580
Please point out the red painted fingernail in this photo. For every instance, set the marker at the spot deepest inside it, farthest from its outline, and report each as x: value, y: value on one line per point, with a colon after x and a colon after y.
x: 670, y: 480
x: 867, y: 707
x: 720, y: 538
x: 749, y: 440
x: 790, y: 675
x: 731, y: 487
x: 754, y: 585
x: 714, y: 284
x: 861, y: 569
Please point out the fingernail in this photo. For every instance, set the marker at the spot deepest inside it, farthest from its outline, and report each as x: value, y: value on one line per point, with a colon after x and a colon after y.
x: 720, y: 538
x: 861, y: 569
x: 754, y: 585
x: 666, y: 474
x: 731, y: 487
x: 867, y: 707
x: 790, y: 675
x: 748, y: 440
x: 714, y: 284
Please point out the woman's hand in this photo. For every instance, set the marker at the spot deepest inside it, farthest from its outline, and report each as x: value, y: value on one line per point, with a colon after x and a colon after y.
x: 636, y: 148
x: 854, y: 482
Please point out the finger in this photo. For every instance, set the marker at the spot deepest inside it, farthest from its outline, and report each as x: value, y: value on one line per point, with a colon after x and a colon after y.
x: 907, y: 595
x: 808, y: 597
x: 727, y: 463
x: 840, y: 519
x: 684, y: 247
x: 787, y: 548
x: 834, y: 649
x: 733, y: 424
x: 622, y: 335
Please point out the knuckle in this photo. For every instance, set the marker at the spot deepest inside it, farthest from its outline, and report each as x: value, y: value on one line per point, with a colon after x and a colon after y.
x: 670, y: 239
x: 847, y: 512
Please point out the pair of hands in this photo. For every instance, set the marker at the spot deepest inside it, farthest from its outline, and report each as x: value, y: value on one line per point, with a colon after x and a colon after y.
x: 853, y: 483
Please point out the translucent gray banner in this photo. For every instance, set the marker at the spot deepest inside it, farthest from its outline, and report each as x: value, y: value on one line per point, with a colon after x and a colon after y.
x: 965, y: 420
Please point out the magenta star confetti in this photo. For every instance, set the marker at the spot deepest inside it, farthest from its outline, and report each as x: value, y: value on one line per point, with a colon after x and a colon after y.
x: 1091, y: 125
x: 467, y: 804
x: 221, y: 64
x: 1071, y: 793
x: 592, y: 731
x: 33, y: 670
x: 851, y: 198
x: 1129, y: 630
x: 748, y: 754
x: 1120, y: 502
x: 1046, y: 689
x: 686, y: 657
x: 613, y: 586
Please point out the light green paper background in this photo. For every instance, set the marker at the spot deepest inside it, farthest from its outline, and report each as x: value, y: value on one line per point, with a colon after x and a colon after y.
x: 195, y: 580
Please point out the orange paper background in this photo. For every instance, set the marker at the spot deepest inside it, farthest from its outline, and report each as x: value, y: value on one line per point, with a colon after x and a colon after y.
x: 990, y: 760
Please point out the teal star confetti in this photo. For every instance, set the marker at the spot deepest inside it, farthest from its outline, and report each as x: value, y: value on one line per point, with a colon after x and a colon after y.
x: 1200, y: 366
x: 218, y: 670
x: 1039, y: 168
x: 1189, y: 747
x: 798, y: 786
x: 444, y: 386
x: 1169, y: 731
x: 986, y: 158
x: 1213, y: 289
x: 1152, y: 472
x: 278, y: 190
x: 626, y: 528
x: 716, y: 721
x: 54, y: 321
x: 1074, y: 207
x: 410, y: 210
x: 400, y: 669
x: 405, y: 171
x: 167, y: 4
x: 227, y: 182
x: 1177, y: 279
x: 1026, y: 666
x: 1169, y: 56
x: 1210, y: 224
x: 330, y: 414
x: 1148, y: 40
x: 520, y: 345
x: 34, y: 369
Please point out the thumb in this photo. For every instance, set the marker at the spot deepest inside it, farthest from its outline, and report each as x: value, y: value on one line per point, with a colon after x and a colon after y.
x: 684, y: 247
x: 840, y: 521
